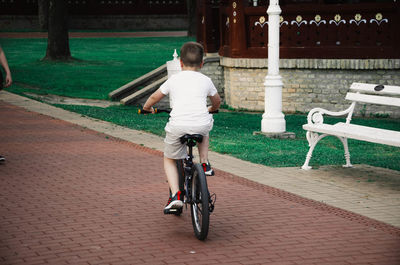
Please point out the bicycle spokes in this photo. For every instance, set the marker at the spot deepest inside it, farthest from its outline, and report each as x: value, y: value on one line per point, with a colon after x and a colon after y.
x: 200, y: 202
x: 211, y: 201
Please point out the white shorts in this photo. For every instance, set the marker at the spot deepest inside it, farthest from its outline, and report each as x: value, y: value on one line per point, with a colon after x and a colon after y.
x: 173, y: 147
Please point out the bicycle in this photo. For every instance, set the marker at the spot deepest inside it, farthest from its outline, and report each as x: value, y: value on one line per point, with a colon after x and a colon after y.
x: 193, y: 184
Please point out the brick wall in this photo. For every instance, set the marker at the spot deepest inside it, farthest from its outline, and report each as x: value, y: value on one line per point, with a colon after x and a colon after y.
x: 308, y: 83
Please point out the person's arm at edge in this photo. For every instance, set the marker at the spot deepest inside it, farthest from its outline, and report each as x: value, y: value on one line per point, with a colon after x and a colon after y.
x: 4, y: 64
x: 215, y: 103
x: 152, y: 100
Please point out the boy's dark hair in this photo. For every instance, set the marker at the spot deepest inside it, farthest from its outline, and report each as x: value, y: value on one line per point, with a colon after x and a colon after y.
x: 192, y: 54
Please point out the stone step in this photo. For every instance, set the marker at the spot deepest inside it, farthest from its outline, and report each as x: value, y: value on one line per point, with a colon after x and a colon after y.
x: 137, y: 91
x: 144, y: 92
x: 135, y: 85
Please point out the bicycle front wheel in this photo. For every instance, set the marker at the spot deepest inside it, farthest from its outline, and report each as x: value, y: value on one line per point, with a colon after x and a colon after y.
x: 200, y: 203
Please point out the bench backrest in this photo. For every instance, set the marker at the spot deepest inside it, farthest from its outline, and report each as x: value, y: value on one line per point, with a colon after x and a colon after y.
x: 374, y: 94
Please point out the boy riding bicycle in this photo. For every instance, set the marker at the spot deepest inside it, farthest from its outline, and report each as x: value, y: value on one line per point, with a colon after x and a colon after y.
x: 188, y: 92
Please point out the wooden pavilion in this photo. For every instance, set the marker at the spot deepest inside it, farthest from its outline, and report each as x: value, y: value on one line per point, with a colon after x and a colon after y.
x: 308, y: 28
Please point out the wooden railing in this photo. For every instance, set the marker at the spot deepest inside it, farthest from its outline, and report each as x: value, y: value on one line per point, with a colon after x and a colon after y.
x: 100, y: 7
x: 368, y: 30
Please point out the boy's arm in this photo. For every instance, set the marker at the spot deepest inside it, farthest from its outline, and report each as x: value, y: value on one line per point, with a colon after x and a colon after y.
x: 215, y: 103
x: 152, y: 100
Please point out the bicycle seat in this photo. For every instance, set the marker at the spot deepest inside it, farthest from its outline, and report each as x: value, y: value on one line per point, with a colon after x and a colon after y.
x: 198, y: 138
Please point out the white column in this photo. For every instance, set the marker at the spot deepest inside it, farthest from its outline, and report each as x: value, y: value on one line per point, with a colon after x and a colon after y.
x: 273, y: 120
x: 173, y: 67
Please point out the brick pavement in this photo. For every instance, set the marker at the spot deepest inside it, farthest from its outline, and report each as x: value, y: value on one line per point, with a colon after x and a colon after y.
x: 71, y: 195
x: 349, y: 188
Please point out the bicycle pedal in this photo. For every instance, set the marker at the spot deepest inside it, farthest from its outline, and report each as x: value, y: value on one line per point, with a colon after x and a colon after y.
x: 175, y: 211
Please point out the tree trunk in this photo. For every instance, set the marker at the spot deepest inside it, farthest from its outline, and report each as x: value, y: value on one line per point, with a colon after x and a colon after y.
x: 43, y: 14
x: 192, y: 17
x: 58, y: 40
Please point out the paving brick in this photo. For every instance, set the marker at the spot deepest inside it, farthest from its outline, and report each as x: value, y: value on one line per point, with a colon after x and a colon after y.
x: 73, y: 196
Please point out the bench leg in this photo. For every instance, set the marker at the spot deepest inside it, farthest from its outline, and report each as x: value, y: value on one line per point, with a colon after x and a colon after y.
x: 313, y: 139
x: 346, y: 152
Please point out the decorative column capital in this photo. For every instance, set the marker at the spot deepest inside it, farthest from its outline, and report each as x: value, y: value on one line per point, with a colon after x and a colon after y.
x: 274, y: 8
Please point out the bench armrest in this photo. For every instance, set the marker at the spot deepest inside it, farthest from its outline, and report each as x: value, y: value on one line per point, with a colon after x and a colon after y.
x: 315, y: 116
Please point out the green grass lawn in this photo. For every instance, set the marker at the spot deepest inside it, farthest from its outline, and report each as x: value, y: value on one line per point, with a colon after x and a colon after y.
x: 103, y: 65
x: 233, y: 135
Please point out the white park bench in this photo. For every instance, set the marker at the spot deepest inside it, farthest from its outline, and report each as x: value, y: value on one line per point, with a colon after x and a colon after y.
x: 359, y: 92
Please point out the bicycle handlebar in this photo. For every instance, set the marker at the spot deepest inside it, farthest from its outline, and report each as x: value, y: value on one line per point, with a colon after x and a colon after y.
x: 156, y: 110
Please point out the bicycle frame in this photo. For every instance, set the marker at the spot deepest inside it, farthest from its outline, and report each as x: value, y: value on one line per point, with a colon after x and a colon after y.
x: 186, y: 175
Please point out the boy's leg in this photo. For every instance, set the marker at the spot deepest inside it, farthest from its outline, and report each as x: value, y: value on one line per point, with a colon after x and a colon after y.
x: 175, y: 200
x: 203, y: 149
x: 172, y: 174
x: 173, y: 149
x: 203, y: 153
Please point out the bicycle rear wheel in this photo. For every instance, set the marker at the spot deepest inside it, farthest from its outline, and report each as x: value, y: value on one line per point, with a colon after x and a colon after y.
x: 200, y: 203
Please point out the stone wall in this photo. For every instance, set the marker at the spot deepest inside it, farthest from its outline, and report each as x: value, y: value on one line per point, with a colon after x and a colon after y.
x: 215, y: 71
x: 133, y: 22
x: 106, y: 22
x: 308, y: 83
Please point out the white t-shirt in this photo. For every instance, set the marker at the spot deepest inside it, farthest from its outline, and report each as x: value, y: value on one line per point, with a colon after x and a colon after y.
x: 188, y: 92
